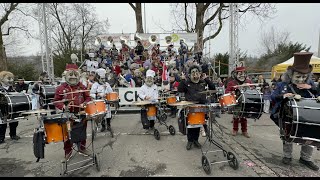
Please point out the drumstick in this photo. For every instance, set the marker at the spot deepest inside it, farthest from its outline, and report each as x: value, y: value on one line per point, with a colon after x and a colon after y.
x: 76, y: 106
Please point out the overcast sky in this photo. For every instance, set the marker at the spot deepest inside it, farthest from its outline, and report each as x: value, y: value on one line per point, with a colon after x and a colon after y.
x: 301, y: 20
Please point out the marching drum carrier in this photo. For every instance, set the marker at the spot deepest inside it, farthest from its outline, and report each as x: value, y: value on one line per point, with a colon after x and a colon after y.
x: 299, y: 121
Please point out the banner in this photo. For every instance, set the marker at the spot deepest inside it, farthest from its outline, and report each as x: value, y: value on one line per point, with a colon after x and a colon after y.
x: 128, y: 95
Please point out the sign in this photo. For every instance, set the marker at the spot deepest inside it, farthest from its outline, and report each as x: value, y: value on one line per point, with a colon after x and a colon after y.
x: 128, y: 95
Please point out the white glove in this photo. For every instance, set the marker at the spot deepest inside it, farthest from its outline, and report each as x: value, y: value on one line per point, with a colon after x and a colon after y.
x: 318, y: 98
x: 297, y: 97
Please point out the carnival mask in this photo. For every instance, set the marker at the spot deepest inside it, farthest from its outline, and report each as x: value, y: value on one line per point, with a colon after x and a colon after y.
x: 72, y: 77
x: 241, y: 76
x: 195, y: 75
x: 149, y: 81
x: 7, y: 80
x: 299, y: 78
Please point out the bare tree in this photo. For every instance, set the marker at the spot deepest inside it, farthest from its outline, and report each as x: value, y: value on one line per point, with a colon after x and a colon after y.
x: 272, y: 38
x: 138, y: 12
x: 195, y: 17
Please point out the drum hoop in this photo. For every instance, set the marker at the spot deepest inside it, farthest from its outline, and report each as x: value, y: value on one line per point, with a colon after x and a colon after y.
x: 297, y: 111
x: 244, y: 102
x: 10, y: 104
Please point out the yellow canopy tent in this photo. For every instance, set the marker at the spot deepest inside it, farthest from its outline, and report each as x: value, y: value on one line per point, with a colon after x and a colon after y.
x: 282, y: 67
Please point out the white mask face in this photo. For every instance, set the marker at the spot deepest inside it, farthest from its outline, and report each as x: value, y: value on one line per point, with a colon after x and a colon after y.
x: 72, y: 77
x: 149, y: 81
x: 241, y: 76
x: 8, y: 80
x: 299, y: 78
x: 195, y: 75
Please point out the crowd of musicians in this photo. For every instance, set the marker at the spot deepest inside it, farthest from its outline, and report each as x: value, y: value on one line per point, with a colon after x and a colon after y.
x: 156, y: 71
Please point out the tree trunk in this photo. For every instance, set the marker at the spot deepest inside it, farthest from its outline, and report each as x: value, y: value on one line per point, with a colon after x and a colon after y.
x: 199, y: 27
x: 138, y: 12
x: 3, y: 57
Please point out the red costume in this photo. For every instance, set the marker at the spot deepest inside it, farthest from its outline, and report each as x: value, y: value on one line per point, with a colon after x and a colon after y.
x: 231, y: 89
x: 75, y: 99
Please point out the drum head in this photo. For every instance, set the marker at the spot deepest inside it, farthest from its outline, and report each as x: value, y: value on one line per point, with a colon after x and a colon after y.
x: 56, y: 118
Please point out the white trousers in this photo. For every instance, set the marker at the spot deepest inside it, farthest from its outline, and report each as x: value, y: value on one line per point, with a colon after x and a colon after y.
x: 266, y: 106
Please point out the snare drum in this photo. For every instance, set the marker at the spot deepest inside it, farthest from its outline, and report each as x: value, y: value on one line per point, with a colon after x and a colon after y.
x: 171, y: 100
x: 113, y: 96
x: 95, y: 108
x: 250, y: 104
x: 299, y: 121
x: 12, y: 104
x: 196, y: 114
x: 227, y: 100
x: 55, y: 128
x: 151, y: 111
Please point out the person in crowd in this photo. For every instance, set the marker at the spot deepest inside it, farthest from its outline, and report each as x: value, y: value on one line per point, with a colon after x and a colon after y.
x: 196, y: 82
x: 6, y: 86
x: 21, y: 86
x: 295, y: 84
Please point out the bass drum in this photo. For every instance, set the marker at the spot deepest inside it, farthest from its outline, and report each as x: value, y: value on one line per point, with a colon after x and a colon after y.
x: 12, y: 104
x: 299, y: 121
x: 250, y: 104
x: 47, y: 95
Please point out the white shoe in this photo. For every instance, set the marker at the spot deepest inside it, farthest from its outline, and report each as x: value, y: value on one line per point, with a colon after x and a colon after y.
x: 203, y: 133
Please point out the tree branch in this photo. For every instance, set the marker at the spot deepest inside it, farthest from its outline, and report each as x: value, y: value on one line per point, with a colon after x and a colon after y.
x: 217, y: 32
x: 5, y: 17
x: 214, y: 15
x: 14, y: 27
x: 133, y: 7
x: 185, y: 15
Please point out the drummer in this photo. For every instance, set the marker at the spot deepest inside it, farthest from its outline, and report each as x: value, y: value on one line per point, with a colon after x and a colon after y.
x: 173, y: 88
x: 99, y: 90
x: 6, y: 80
x: 240, y: 77
x: 296, y: 83
x: 196, y: 82
x: 149, y: 92
x: 78, y: 99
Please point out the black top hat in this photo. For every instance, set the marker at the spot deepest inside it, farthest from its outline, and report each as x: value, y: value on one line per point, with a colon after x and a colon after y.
x: 301, y: 62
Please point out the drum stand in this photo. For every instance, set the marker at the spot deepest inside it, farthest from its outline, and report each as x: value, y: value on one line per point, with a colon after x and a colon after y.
x: 206, y: 163
x: 161, y: 117
x: 93, y: 157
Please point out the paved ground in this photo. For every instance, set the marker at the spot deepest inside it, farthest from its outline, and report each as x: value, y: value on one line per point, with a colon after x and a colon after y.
x: 132, y: 152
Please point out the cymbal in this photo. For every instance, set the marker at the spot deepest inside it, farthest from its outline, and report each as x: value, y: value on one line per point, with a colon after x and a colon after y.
x: 74, y: 92
x: 183, y: 103
x: 208, y: 92
x: 247, y: 84
x: 61, y: 101
x: 142, y: 103
x: 37, y: 111
x: 75, y: 106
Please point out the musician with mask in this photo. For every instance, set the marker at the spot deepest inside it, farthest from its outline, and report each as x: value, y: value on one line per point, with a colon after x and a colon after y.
x: 296, y: 84
x: 196, y: 82
x: 148, y: 92
x: 6, y: 80
x: 240, y: 77
x: 99, y: 90
x: 76, y: 102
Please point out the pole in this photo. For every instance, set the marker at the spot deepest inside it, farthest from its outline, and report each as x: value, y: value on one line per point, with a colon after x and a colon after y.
x: 144, y: 14
x: 319, y: 45
x: 46, y: 39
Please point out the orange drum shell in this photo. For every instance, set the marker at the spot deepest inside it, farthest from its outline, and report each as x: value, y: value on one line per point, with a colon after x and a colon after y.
x: 95, y: 108
x: 56, y: 133
x: 196, y: 118
x: 227, y: 100
x: 113, y: 96
x: 151, y: 111
x: 171, y: 100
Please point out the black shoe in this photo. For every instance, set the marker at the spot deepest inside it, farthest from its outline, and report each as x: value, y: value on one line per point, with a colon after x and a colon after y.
x: 197, y: 144
x: 309, y: 164
x: 286, y: 160
x: 15, y: 137
x: 189, y: 145
x: 108, y: 128
x: 2, y: 141
x: 103, y: 129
